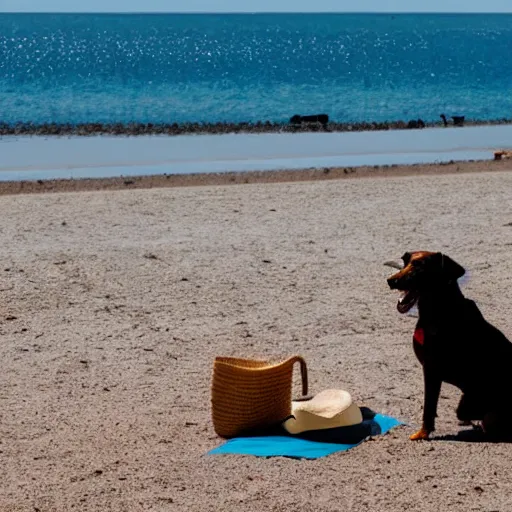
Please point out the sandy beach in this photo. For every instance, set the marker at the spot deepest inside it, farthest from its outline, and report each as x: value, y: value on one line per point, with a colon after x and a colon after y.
x: 117, y: 298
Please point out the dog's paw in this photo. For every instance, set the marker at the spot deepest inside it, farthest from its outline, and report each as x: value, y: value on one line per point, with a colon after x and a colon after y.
x: 421, y: 435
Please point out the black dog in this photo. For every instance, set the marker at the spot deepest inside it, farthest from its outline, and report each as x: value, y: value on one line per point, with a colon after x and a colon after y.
x: 455, y: 344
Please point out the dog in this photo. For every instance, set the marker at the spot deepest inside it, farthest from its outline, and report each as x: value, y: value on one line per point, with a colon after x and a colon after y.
x: 455, y: 344
x: 323, y: 119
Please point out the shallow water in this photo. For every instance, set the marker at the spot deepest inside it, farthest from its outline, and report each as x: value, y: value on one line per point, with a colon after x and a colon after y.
x: 25, y: 158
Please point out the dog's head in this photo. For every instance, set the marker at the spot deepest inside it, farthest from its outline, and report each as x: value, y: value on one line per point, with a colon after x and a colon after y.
x: 423, y: 271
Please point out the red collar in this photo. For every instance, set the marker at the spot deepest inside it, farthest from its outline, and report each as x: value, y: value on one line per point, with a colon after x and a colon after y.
x: 419, y: 336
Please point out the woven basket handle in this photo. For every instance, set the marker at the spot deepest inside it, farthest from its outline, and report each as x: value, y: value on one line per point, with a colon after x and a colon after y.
x: 303, y: 372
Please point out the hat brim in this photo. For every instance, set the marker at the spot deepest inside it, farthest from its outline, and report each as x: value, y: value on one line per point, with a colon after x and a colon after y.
x: 304, y: 421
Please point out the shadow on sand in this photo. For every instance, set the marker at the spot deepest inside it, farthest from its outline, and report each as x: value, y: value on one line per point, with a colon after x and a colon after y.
x: 474, y: 435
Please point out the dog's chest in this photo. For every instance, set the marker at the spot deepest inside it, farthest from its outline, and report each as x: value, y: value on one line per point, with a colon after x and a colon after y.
x: 418, y: 343
x: 430, y: 341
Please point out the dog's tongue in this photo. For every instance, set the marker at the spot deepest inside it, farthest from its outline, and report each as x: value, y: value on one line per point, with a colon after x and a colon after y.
x: 406, y: 302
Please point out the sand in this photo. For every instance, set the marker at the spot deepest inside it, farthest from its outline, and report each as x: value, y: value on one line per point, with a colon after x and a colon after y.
x: 114, y: 304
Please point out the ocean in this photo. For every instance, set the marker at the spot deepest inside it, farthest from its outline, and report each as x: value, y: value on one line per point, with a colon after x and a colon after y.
x: 208, y: 68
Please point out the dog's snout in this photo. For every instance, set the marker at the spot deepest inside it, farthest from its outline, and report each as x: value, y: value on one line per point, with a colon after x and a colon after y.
x: 392, y: 282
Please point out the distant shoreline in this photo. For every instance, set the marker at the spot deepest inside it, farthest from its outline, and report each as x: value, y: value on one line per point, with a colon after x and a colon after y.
x: 251, y: 13
x: 174, y: 129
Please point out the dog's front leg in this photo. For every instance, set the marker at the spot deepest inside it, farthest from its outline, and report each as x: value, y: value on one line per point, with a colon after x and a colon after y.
x: 432, y: 390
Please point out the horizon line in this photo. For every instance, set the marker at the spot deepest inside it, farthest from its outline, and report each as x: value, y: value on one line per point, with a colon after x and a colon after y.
x: 255, y: 12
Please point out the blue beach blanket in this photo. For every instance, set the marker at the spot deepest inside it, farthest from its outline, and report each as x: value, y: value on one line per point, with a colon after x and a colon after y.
x: 308, y: 445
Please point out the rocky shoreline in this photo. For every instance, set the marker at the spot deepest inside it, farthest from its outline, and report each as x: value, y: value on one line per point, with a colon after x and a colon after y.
x: 172, y: 129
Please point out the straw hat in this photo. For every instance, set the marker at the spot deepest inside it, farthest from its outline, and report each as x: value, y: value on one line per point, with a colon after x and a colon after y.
x: 331, y: 408
x: 249, y: 395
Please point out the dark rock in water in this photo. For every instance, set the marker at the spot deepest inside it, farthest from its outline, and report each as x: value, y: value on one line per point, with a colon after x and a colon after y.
x: 322, y: 119
x: 415, y: 123
x: 458, y: 120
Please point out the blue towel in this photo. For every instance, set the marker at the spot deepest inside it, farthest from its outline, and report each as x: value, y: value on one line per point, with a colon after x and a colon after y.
x: 300, y: 448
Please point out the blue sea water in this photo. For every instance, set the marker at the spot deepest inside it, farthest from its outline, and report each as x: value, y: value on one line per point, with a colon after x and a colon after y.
x: 235, y: 68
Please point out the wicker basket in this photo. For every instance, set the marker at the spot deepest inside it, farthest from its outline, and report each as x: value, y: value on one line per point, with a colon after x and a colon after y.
x: 249, y: 395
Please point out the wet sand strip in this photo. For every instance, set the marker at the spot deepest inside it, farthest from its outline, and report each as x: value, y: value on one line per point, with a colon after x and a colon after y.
x: 236, y: 178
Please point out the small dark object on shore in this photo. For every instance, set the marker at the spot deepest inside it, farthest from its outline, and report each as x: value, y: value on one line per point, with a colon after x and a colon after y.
x: 323, y: 119
x: 416, y: 123
x: 502, y: 154
x: 457, y: 120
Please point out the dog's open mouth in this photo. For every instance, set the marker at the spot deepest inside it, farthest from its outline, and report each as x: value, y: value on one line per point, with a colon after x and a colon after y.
x: 407, y: 300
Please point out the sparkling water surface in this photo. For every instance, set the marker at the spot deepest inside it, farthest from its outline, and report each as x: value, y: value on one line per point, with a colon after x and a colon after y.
x: 235, y: 68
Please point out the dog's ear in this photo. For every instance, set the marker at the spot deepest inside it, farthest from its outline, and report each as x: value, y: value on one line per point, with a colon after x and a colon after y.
x: 449, y: 268
x: 406, y: 258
